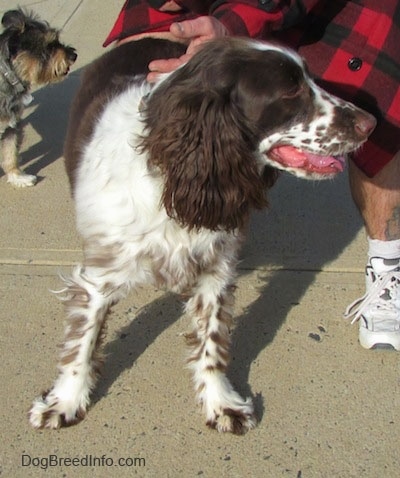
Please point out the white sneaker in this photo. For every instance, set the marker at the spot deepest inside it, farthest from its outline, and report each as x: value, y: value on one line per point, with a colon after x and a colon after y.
x: 378, y: 311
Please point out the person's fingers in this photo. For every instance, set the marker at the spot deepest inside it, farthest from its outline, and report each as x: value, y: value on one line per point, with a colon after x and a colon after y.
x: 198, y: 31
x: 164, y: 66
x: 158, y: 67
x: 152, y: 77
x: 199, y: 27
x: 178, y: 30
x: 187, y: 29
x: 196, y: 44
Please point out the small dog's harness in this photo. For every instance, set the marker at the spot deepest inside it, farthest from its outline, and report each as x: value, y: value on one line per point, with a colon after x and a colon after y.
x: 11, y: 78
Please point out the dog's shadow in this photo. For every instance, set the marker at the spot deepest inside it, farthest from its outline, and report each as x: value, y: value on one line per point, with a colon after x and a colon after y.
x: 311, y: 221
x: 133, y: 339
x: 48, y: 117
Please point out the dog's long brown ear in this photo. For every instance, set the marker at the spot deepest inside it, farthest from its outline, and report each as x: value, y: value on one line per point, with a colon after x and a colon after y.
x: 200, y: 141
x: 202, y: 146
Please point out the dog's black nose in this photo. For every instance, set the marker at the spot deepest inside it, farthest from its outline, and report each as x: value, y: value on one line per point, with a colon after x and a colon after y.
x: 72, y: 55
x: 364, y: 124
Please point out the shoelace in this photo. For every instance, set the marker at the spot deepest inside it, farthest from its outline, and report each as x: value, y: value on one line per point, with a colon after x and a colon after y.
x: 387, y: 282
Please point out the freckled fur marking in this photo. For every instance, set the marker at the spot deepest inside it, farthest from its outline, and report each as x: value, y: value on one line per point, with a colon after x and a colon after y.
x: 163, y: 195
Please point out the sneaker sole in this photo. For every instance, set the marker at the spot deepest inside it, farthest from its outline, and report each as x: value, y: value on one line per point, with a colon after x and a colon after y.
x: 382, y: 347
x: 379, y: 340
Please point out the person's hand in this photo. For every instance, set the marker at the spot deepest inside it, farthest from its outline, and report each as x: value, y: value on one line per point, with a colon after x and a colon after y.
x: 195, y: 32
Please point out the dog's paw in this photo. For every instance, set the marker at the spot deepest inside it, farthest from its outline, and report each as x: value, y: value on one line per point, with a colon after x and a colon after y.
x: 234, y: 420
x: 21, y: 180
x: 48, y: 411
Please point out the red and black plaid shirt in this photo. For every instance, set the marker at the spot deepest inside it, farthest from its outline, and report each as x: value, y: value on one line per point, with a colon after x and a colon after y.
x: 351, y: 47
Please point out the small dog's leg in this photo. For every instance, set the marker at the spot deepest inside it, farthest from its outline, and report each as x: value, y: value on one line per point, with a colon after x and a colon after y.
x: 87, y: 305
x: 9, y: 146
x: 211, y: 311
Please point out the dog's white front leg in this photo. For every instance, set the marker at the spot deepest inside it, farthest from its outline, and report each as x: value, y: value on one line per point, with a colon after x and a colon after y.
x: 66, y: 402
x: 211, y: 311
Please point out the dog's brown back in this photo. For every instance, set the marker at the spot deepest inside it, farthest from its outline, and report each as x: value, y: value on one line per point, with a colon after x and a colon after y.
x: 105, y: 78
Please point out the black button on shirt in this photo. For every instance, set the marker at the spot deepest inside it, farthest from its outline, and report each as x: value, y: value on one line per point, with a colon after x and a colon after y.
x: 266, y: 4
x: 355, y: 63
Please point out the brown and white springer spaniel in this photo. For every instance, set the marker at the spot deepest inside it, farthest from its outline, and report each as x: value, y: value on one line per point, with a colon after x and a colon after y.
x: 164, y: 179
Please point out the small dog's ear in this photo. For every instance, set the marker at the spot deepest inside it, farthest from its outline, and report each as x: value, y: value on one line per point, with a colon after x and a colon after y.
x: 14, y: 19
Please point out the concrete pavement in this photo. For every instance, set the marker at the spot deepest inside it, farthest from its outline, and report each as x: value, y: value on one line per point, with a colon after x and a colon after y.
x: 327, y: 408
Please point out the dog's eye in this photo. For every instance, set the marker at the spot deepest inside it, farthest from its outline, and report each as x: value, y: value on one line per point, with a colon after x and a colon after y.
x: 294, y: 92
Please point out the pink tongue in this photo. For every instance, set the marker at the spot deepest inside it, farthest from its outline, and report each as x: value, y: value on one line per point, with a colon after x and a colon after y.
x: 292, y: 157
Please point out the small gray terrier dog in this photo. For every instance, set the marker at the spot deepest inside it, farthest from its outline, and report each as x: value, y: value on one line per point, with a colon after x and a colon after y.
x: 30, y: 55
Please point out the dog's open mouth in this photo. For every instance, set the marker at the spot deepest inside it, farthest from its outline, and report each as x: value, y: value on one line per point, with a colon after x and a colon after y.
x: 291, y: 157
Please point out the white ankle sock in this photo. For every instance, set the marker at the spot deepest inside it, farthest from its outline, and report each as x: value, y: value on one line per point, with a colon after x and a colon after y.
x: 384, y: 249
